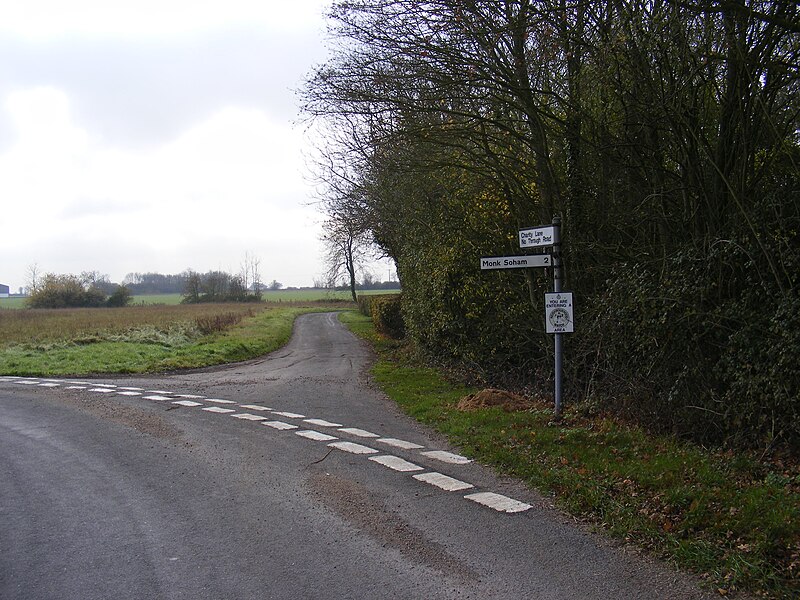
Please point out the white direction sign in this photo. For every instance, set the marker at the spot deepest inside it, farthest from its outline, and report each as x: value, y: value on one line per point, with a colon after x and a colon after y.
x: 558, y: 312
x: 536, y: 237
x: 516, y: 262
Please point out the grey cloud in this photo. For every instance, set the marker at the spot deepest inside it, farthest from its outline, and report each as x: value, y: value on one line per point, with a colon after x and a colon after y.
x: 135, y: 92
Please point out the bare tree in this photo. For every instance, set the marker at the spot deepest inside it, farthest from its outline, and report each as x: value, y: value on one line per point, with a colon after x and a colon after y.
x: 347, y: 246
x: 32, y: 280
x: 251, y: 274
x: 192, y: 288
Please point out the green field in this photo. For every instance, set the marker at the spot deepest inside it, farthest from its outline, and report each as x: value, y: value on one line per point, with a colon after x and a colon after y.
x: 12, y: 302
x: 310, y: 295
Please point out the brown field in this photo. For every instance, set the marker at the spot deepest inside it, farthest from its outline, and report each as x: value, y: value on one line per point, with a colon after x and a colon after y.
x: 51, y: 325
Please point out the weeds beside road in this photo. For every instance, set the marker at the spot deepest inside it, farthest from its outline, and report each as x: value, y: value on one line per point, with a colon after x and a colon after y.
x: 731, y: 518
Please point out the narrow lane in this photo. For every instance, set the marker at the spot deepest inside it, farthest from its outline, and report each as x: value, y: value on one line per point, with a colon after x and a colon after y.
x: 312, y: 486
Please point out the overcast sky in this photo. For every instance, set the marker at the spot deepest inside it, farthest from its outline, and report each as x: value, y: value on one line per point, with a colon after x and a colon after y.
x: 156, y: 135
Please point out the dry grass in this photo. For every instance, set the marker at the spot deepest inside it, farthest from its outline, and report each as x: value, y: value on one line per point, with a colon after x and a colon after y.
x: 46, y: 325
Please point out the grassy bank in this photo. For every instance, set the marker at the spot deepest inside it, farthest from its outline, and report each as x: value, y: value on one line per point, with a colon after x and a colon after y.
x: 140, y: 339
x: 731, y: 518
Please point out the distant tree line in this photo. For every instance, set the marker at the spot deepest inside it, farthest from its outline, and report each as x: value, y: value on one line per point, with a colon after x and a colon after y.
x: 367, y: 283
x: 218, y: 286
x: 666, y: 134
x: 155, y: 283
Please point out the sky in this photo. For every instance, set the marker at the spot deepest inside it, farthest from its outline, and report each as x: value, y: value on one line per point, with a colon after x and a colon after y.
x: 157, y: 135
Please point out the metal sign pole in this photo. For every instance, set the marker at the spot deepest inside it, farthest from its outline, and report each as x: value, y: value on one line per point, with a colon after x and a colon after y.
x: 559, y: 316
x: 557, y: 276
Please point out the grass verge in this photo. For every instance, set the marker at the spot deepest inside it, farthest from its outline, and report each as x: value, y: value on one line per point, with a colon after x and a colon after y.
x: 730, y: 518
x: 143, y: 339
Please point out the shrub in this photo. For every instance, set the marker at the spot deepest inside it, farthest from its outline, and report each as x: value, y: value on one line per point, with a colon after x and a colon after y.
x: 207, y: 325
x: 364, y: 304
x: 387, y: 315
x: 681, y: 348
x: 65, y: 291
x: 121, y: 297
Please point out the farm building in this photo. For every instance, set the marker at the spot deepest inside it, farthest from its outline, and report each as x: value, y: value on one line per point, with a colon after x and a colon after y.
x: 3, y: 291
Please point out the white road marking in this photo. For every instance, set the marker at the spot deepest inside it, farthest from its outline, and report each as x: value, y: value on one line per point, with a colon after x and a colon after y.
x: 322, y: 423
x: 279, y: 425
x: 249, y: 417
x: 315, y: 435
x: 359, y: 432
x: 396, y: 463
x: 492, y: 500
x: 498, y: 502
x: 448, y: 457
x: 219, y: 409
x: 444, y: 482
x: 353, y: 448
x: 400, y: 444
x: 188, y: 403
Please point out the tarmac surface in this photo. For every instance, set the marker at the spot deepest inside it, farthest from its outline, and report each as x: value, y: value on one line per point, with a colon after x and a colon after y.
x: 285, y: 477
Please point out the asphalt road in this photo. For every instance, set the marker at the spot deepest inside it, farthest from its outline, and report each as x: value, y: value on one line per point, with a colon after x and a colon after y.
x: 123, y: 493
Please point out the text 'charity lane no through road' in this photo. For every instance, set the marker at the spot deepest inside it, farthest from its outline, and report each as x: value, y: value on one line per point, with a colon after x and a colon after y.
x: 285, y: 477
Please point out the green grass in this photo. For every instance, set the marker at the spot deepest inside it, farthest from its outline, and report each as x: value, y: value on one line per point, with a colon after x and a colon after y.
x: 168, y: 299
x: 142, y: 339
x: 12, y: 302
x: 731, y: 518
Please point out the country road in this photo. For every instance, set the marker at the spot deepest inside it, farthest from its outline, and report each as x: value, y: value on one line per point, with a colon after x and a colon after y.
x: 288, y: 477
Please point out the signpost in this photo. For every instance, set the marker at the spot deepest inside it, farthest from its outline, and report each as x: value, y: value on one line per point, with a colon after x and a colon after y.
x: 559, y: 316
x: 537, y: 237
x: 516, y: 262
x: 558, y: 350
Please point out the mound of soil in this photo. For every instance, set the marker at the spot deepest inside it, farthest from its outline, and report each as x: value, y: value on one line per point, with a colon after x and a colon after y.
x: 492, y: 397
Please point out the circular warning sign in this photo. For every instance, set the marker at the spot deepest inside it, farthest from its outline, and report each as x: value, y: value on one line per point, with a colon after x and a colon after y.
x: 559, y: 317
x: 558, y: 312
